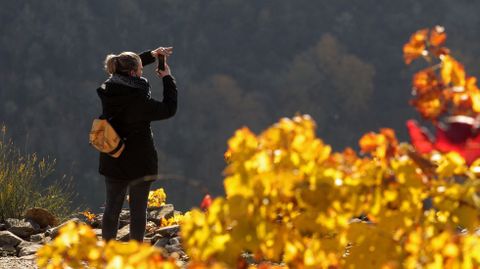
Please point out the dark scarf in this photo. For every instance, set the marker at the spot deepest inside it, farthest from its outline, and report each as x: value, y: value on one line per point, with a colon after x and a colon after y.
x: 129, y: 81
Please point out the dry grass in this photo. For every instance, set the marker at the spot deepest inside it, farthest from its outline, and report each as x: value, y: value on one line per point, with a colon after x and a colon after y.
x: 23, y: 183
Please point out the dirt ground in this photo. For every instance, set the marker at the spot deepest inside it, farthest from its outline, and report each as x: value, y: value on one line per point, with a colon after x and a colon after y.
x: 27, y: 262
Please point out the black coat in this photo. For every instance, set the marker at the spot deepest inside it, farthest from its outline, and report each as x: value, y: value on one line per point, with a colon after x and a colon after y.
x: 133, y: 109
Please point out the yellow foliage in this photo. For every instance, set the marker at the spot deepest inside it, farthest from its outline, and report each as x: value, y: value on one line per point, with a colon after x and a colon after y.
x: 157, y: 198
x: 176, y: 219
x: 452, y: 72
x: 76, y: 246
x: 89, y: 215
x: 291, y: 200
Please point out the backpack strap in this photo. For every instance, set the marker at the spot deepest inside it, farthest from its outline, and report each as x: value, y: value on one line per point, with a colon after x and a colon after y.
x: 119, y: 146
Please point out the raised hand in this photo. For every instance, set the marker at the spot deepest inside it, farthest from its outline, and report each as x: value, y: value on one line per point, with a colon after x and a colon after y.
x: 166, y: 51
x: 166, y: 72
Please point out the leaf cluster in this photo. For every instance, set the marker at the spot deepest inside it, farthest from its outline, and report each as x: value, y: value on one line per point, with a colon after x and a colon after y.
x: 443, y: 88
x: 77, y: 246
x: 291, y: 200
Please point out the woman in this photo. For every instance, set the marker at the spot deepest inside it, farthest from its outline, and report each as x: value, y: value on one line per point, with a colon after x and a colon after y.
x: 126, y: 101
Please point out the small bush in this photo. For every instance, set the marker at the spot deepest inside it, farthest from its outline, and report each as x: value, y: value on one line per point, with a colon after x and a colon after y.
x: 23, y: 183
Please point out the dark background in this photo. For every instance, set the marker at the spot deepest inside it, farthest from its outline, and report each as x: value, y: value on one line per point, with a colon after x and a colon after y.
x: 236, y: 63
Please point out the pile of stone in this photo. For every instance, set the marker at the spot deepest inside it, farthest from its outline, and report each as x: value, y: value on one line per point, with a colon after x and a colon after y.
x: 166, y: 238
x: 23, y: 237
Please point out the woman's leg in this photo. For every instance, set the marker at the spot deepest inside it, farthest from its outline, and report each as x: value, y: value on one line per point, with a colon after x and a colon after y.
x: 116, y: 191
x: 138, y: 209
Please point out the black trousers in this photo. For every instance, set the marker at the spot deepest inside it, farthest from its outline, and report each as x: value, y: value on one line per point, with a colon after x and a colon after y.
x: 138, y: 198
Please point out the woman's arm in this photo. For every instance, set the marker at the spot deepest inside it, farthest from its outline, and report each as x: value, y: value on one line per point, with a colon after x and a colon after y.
x: 147, y: 57
x: 156, y: 110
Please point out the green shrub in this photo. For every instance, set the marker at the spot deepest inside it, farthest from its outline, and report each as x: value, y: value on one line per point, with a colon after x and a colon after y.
x: 23, y: 183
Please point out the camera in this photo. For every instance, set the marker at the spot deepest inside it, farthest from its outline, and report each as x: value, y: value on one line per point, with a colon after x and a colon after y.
x: 161, y: 62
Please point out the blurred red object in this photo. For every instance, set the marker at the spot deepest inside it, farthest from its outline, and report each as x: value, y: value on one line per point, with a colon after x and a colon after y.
x: 419, y: 137
x: 458, y: 133
x: 206, y: 202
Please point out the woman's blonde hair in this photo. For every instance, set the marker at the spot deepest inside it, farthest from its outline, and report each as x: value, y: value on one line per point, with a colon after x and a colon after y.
x: 122, y: 63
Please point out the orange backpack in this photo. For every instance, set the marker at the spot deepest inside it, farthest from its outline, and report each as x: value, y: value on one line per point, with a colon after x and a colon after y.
x: 105, y: 139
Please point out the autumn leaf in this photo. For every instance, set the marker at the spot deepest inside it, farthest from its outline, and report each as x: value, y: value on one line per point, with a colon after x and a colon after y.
x: 474, y: 93
x: 89, y: 215
x: 431, y: 105
x: 382, y: 145
x: 425, y: 81
x: 157, y: 198
x: 206, y: 202
x: 462, y: 103
x: 371, y: 141
x: 392, y: 142
x: 416, y: 46
x: 437, y: 36
x: 475, y: 98
x: 452, y: 72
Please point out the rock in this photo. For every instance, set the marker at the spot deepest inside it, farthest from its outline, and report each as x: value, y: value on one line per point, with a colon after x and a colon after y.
x: 461, y: 231
x: 30, y: 257
x: 147, y: 240
x: 182, y: 259
x: 124, y: 218
x: 3, y: 227
x: 173, y: 248
x: 155, y: 238
x: 155, y: 214
x: 169, y: 231
x: 41, y: 216
x: 97, y: 222
x: 125, y: 215
x: 9, y: 239
x: 124, y: 233
x: 27, y: 248
x: 8, y: 251
x: 161, y: 243
x: 150, y: 229
x: 355, y: 220
x: 22, y: 228
x: 174, y: 241
x: 53, y: 232
x: 248, y: 257
x: 47, y: 240
x: 37, y: 237
x: 98, y: 232
x: 123, y: 223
